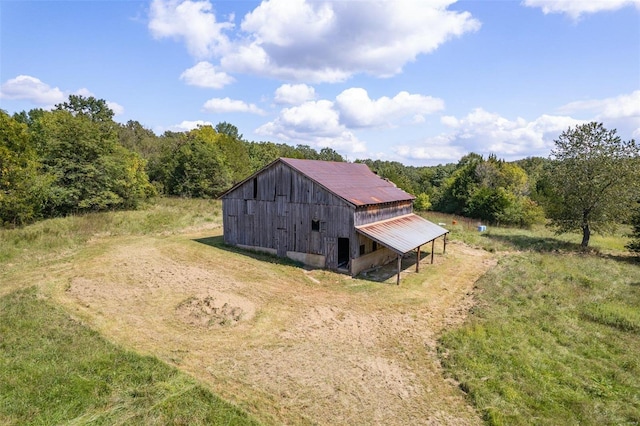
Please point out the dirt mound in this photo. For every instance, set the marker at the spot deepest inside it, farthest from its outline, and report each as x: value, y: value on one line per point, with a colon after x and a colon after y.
x: 209, y: 311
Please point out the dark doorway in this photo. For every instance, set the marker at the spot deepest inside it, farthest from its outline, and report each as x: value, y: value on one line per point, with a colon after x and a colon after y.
x: 343, y: 252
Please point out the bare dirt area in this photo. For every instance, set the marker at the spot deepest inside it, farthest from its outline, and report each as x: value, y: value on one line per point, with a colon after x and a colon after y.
x: 290, y: 345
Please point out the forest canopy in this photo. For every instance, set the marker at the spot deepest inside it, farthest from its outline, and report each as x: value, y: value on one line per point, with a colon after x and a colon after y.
x: 76, y: 158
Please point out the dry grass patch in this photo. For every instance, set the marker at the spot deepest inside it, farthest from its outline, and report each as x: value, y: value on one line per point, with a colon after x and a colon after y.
x: 288, y: 344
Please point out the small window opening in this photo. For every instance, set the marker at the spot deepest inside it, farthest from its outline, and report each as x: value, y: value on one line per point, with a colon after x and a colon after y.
x: 255, y: 187
x: 315, y: 225
x: 361, y: 249
x: 375, y: 246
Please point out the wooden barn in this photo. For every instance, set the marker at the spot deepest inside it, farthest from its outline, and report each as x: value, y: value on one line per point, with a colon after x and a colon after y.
x: 334, y: 215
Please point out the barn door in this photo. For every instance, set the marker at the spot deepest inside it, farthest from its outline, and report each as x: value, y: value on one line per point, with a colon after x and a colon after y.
x: 343, y: 253
x: 331, y: 252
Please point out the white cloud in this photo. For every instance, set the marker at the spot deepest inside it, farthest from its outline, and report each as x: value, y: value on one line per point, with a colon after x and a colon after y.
x: 576, y: 8
x: 623, y: 106
x: 186, y: 125
x: 294, y: 94
x: 25, y: 87
x: 315, y: 123
x: 622, y: 112
x: 358, y: 110
x: 116, y: 108
x: 35, y: 91
x: 436, y: 150
x: 329, y: 41
x: 325, y: 123
x: 485, y: 133
x: 83, y: 92
x: 205, y: 74
x: 290, y: 22
x: 221, y: 105
x: 317, y: 41
x: 192, y: 21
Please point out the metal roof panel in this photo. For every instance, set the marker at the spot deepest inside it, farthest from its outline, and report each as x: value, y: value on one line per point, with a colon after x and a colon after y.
x: 404, y: 233
x: 354, y: 182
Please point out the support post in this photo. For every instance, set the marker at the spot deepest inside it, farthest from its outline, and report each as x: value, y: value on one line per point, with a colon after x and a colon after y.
x: 433, y: 244
x: 418, y: 260
x: 444, y: 249
x: 399, y: 269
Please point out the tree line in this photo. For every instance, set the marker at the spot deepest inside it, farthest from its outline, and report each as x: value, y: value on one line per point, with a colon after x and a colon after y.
x: 76, y: 159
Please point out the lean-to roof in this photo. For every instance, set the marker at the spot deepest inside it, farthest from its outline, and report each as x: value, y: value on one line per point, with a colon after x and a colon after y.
x: 403, y: 233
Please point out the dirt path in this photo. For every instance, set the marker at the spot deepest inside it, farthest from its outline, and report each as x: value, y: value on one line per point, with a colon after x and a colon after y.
x: 291, y: 346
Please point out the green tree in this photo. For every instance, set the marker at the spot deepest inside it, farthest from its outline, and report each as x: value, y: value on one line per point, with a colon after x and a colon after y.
x: 261, y: 154
x: 229, y: 130
x: 96, y: 110
x: 492, y: 190
x: 460, y: 186
x: 634, y: 244
x: 422, y: 203
x: 329, y: 154
x: 193, y: 165
x: 233, y: 151
x: 135, y: 137
x: 91, y: 170
x: 594, y: 179
x: 23, y: 185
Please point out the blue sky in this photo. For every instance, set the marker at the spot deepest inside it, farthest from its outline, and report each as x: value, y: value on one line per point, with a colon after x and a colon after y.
x: 420, y: 82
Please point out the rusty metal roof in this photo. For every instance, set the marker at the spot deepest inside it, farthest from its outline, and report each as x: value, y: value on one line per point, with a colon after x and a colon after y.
x: 403, y: 233
x: 354, y: 182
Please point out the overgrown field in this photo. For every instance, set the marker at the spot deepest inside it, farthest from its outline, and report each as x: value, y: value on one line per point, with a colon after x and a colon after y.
x: 54, y: 370
x: 144, y: 317
x: 554, y: 337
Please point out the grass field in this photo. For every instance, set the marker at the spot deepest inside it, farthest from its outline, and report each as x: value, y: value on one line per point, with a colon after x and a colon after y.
x: 554, y: 337
x: 144, y: 317
x: 54, y: 370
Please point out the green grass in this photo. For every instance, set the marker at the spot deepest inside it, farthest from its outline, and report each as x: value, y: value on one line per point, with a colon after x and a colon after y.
x: 54, y: 370
x: 58, y: 235
x: 554, y: 339
x: 539, y: 238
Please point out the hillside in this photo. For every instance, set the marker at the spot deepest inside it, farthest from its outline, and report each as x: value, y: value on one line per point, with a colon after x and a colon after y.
x: 526, y: 324
x: 287, y: 344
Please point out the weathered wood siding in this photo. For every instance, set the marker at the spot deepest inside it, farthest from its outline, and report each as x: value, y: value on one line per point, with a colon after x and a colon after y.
x: 376, y: 212
x: 283, y: 210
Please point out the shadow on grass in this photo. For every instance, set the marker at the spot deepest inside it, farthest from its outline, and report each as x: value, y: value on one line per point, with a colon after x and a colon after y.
x: 218, y: 242
x: 538, y: 244
x: 549, y: 245
x: 382, y: 274
x: 378, y: 275
x: 630, y: 259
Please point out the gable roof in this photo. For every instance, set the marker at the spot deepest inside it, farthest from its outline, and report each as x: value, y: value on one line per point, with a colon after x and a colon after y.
x: 353, y: 182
